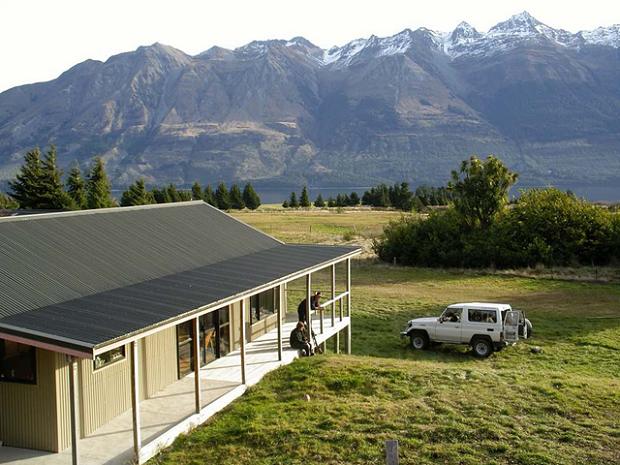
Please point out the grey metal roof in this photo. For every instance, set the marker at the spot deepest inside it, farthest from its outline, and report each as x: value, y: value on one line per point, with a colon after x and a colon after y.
x: 82, y: 280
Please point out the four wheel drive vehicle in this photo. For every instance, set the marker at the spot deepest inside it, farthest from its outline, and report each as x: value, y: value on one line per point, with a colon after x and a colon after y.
x: 486, y: 327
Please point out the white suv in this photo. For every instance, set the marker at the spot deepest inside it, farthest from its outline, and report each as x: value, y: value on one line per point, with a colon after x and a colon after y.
x: 486, y: 327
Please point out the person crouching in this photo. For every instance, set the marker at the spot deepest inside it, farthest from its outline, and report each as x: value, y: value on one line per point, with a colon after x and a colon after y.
x: 299, y: 340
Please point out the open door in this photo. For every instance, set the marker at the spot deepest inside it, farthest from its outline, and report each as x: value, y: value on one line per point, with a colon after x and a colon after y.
x: 511, y: 326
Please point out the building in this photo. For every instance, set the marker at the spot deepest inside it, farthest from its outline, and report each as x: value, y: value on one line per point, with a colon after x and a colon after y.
x: 103, y: 310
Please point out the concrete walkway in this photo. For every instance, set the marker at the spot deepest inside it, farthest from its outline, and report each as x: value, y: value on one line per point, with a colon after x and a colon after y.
x: 171, y: 411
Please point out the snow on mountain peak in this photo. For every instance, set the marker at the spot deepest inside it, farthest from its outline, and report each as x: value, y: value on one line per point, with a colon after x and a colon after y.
x: 606, y: 36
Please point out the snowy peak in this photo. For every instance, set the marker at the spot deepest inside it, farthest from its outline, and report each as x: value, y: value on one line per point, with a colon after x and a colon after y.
x: 605, y: 36
x: 522, y: 23
x: 464, y: 31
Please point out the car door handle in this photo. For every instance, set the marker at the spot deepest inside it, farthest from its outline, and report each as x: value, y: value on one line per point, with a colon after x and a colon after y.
x: 490, y: 329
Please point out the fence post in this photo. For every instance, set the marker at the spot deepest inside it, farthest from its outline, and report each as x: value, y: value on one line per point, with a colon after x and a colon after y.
x: 391, y: 452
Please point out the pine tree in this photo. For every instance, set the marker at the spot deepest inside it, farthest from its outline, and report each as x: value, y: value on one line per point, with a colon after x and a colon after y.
x: 160, y: 195
x: 26, y: 189
x: 209, y: 196
x: 331, y: 202
x: 7, y: 202
x: 354, y: 199
x: 293, y: 203
x: 137, y: 194
x: 236, y: 199
x: 76, y: 187
x: 319, y: 202
x: 172, y: 193
x: 304, y: 199
x: 197, y: 193
x: 185, y: 196
x: 222, y: 198
x: 285, y: 204
x: 53, y: 195
x: 250, y: 197
x: 98, y: 193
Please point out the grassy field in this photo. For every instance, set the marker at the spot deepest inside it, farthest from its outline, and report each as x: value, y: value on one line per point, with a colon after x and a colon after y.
x: 561, y: 406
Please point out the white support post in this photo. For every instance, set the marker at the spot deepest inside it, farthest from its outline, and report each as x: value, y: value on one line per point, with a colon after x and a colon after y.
x: 348, y: 340
x: 74, y: 409
x: 280, y: 300
x: 196, y: 349
x: 333, y: 273
x: 135, y: 400
x: 242, y: 347
x: 308, y: 297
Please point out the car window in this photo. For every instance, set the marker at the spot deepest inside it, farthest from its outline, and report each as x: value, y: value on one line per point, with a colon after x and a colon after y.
x: 451, y: 314
x: 481, y: 316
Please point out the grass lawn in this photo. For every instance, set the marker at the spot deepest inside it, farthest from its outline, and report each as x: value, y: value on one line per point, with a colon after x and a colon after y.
x: 561, y: 406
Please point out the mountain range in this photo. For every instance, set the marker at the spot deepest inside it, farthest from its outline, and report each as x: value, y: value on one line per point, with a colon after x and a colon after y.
x: 284, y: 112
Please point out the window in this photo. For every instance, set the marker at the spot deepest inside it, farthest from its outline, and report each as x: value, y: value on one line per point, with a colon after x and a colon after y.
x: 482, y: 316
x: 109, y: 357
x: 452, y: 315
x: 264, y: 304
x: 18, y: 362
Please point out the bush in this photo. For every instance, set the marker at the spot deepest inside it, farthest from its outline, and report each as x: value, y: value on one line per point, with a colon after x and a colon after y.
x: 546, y: 226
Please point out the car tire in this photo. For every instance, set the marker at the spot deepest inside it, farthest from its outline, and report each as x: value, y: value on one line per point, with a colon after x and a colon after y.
x: 528, y: 325
x: 482, y: 347
x: 419, y: 340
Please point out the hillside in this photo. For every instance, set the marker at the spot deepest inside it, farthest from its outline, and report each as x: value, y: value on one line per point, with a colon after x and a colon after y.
x: 280, y: 112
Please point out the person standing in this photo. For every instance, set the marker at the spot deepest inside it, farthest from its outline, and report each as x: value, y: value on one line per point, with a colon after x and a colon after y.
x: 315, y: 304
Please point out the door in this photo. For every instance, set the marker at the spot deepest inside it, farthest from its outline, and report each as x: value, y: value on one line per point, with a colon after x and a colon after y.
x: 448, y: 328
x: 185, y: 348
x: 480, y: 321
x: 511, y: 326
x: 214, y: 335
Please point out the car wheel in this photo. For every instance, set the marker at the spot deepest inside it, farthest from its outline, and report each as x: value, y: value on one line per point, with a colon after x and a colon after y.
x: 482, y: 348
x: 419, y: 340
x: 528, y: 325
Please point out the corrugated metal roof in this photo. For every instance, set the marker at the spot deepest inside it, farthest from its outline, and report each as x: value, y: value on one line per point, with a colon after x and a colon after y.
x: 82, y: 280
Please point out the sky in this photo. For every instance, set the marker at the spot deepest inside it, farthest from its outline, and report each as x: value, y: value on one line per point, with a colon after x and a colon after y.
x: 42, y: 38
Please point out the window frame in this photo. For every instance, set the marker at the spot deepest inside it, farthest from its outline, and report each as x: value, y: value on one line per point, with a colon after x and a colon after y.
x: 33, y: 367
x: 111, y: 363
x: 483, y: 312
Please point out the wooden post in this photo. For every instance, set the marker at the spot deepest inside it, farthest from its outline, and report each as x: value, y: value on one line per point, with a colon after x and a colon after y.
x: 348, y: 340
x: 337, y: 343
x: 308, y: 297
x: 135, y: 401
x: 74, y: 409
x: 196, y: 349
x: 391, y: 452
x: 281, y: 292
x: 333, y: 273
x: 242, y: 347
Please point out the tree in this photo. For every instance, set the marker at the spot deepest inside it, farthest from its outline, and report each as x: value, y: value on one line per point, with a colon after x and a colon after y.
x: 7, y: 202
x: 222, y: 198
x: 98, y: 193
x: 197, y: 193
x: 354, y: 199
x: 480, y: 190
x: 285, y: 204
x: 53, y: 195
x: 173, y: 194
x: 208, y: 196
x: 304, y: 199
x: 250, y: 197
x: 76, y: 187
x: 293, y: 203
x: 331, y: 202
x: 26, y: 189
x: 160, y: 195
x: 236, y: 199
x: 342, y: 200
x: 319, y: 202
x: 137, y: 194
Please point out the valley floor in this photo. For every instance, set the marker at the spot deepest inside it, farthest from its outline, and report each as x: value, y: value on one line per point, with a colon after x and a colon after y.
x: 560, y: 406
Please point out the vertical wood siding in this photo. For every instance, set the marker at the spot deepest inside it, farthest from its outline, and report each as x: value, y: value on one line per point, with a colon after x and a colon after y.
x: 159, y: 361
x: 28, y: 415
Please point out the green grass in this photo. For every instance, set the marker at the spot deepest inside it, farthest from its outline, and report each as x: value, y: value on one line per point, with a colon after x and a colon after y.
x: 561, y: 406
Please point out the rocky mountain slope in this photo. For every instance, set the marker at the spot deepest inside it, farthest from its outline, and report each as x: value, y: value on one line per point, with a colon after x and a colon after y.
x: 281, y: 112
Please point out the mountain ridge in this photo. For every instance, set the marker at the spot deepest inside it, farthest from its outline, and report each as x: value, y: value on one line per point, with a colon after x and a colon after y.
x: 285, y: 111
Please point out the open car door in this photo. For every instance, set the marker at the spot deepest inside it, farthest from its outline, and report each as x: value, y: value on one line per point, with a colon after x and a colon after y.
x: 511, y: 326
